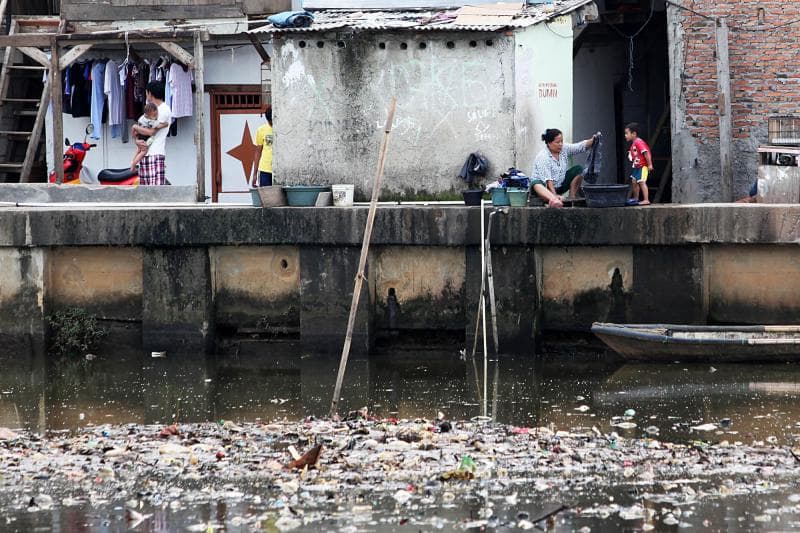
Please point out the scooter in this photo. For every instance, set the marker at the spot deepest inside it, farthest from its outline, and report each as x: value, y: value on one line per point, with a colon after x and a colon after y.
x: 73, y: 167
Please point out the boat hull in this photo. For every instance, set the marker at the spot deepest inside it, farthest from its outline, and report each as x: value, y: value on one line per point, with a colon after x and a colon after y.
x: 666, y: 343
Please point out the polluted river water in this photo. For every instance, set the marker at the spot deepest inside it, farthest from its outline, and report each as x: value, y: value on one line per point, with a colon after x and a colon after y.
x: 124, y: 441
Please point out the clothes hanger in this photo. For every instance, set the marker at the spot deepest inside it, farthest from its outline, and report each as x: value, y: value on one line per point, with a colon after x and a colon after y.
x: 127, y: 52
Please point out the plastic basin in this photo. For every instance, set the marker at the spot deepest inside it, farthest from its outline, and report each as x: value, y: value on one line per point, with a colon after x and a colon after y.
x: 303, y: 195
x: 256, y: 198
x: 272, y: 196
x: 517, y: 197
x: 472, y: 197
x: 605, y: 195
x: 500, y: 196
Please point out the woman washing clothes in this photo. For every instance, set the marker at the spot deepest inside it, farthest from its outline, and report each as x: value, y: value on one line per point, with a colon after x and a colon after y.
x: 551, y: 177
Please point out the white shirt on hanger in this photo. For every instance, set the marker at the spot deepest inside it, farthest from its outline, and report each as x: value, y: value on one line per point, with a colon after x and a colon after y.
x: 181, y: 84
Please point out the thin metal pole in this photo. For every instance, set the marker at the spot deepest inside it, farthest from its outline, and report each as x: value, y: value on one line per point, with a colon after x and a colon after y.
x: 362, y: 261
x: 490, y: 283
x: 483, y: 288
x: 483, y: 318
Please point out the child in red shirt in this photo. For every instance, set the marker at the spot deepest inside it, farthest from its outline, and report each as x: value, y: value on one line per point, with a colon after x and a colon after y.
x: 641, y: 161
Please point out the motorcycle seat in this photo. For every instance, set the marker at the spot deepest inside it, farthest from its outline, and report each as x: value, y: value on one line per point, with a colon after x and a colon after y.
x: 116, y: 174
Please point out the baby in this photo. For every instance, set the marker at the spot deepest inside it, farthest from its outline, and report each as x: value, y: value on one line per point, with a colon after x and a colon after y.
x: 148, y: 120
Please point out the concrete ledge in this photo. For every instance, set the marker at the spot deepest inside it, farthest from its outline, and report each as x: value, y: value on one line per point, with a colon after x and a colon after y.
x: 52, y: 193
x: 199, y: 225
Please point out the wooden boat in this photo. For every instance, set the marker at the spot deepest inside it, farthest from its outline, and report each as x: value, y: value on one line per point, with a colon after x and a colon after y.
x: 666, y: 343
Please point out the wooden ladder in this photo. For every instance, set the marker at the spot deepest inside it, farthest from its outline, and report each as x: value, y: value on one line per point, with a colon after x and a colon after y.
x: 24, y: 69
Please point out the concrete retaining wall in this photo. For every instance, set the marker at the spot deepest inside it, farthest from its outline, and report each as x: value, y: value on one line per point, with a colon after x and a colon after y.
x: 190, y: 274
x: 52, y: 193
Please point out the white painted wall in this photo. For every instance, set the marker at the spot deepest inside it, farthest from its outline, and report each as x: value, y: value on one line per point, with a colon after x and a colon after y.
x: 543, y: 83
x: 237, y: 64
x: 455, y: 95
x: 222, y: 66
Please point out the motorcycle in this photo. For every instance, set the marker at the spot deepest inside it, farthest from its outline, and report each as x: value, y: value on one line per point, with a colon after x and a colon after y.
x: 74, y: 172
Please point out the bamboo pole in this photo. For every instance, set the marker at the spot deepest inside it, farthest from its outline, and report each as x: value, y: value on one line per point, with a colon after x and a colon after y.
x: 362, y: 260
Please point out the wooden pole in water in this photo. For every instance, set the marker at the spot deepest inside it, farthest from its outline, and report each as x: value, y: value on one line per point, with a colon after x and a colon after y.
x: 362, y: 260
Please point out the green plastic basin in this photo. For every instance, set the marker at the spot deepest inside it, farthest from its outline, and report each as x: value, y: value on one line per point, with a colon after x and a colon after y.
x: 303, y: 195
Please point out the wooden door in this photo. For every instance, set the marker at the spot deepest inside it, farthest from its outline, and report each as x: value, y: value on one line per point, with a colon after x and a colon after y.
x: 235, y: 117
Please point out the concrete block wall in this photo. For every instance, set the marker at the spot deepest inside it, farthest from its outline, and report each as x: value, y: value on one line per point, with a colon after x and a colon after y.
x: 188, y: 275
x: 764, y: 82
x: 187, y: 296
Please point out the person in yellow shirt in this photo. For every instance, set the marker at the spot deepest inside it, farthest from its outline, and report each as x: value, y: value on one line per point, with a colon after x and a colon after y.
x: 262, y: 168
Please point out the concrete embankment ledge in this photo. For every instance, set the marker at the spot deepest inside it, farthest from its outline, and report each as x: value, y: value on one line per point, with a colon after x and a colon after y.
x: 189, y: 271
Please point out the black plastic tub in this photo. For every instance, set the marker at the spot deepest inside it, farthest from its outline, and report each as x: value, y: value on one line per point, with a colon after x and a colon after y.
x: 605, y: 195
x: 472, y: 196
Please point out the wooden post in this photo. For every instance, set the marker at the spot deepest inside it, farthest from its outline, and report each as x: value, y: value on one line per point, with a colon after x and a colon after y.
x: 362, y: 261
x: 724, y: 112
x: 56, y: 107
x: 200, y: 117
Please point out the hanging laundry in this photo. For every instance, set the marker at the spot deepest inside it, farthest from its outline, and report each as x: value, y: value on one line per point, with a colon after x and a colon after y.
x: 180, y: 81
x: 168, y: 90
x: 80, y: 90
x: 66, y: 93
x: 113, y: 91
x: 98, y: 97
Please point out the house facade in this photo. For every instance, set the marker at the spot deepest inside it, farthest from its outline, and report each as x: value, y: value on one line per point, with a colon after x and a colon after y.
x: 764, y: 82
x: 465, y: 87
x: 460, y: 89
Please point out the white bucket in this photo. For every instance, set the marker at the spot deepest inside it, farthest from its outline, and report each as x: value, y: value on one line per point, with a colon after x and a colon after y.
x: 342, y: 195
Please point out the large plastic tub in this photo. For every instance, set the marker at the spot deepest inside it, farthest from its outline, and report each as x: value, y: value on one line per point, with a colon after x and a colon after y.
x: 517, y: 196
x: 605, y: 195
x: 500, y: 196
x: 303, y: 195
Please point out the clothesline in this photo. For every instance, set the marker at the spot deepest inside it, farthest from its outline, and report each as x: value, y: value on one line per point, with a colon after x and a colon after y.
x: 90, y: 90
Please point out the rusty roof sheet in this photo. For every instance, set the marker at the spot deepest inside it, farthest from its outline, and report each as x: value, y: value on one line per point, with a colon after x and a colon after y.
x: 419, y: 20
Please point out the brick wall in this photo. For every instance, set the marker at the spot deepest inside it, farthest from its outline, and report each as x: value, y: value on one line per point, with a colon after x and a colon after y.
x: 765, y: 81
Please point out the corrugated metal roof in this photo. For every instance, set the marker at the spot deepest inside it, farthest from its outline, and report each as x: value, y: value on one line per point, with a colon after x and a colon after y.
x: 427, y: 20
